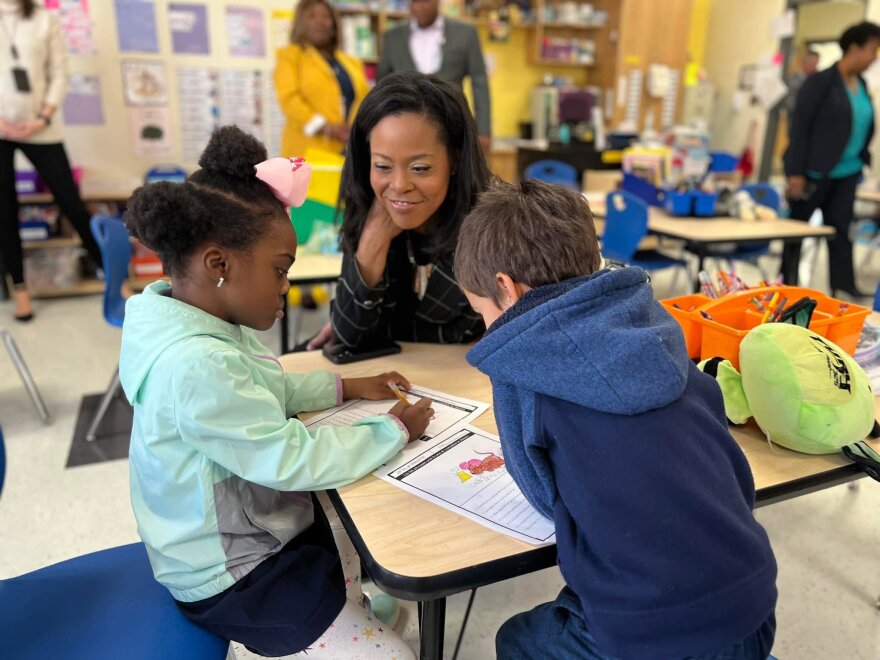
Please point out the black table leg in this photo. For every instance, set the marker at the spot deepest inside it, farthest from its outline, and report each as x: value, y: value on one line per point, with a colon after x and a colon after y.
x: 700, y: 250
x: 4, y: 287
x: 432, y: 621
x: 285, y: 329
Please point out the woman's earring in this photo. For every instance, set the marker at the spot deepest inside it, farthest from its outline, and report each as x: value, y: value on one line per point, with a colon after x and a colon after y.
x: 220, y: 283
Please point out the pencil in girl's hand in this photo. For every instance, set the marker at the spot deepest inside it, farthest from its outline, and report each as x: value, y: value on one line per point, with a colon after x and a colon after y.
x: 396, y: 390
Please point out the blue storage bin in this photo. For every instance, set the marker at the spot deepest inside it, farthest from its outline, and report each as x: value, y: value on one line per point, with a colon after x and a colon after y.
x: 704, y: 204
x: 644, y: 190
x: 723, y: 162
x: 678, y: 203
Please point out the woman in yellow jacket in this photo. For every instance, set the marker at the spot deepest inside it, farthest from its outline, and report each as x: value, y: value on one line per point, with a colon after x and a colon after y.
x: 319, y: 87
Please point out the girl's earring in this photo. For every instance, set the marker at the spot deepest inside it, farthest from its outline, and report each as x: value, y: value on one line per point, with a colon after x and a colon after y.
x: 220, y: 283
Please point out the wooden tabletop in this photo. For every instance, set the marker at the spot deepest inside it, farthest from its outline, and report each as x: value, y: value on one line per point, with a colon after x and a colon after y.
x: 409, y: 536
x: 719, y: 229
x: 315, y: 268
x: 868, y: 195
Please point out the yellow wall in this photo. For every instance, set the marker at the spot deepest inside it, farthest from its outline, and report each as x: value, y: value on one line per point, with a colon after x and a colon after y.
x: 511, y: 82
x: 737, y: 34
x: 696, y: 44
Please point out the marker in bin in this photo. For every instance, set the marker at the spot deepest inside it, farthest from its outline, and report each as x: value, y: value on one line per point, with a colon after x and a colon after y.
x: 706, y: 285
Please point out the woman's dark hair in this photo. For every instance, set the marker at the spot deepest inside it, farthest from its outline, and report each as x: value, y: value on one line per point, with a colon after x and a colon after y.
x: 444, y: 105
x: 298, y: 28
x: 222, y: 203
x: 859, y: 35
x: 27, y: 8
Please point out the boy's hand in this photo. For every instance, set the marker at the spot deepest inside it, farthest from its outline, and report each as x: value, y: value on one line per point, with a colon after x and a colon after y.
x: 415, y: 417
x: 374, y: 388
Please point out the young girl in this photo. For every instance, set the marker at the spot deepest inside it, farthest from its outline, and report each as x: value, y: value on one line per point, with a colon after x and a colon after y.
x: 221, y: 471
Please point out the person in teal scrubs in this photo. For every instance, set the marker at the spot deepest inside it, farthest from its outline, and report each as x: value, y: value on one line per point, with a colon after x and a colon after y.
x: 831, y: 130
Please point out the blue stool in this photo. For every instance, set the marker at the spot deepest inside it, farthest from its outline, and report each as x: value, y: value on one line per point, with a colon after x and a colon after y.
x: 102, y: 605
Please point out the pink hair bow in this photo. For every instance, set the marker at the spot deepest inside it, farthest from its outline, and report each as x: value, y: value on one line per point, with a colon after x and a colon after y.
x: 287, y: 177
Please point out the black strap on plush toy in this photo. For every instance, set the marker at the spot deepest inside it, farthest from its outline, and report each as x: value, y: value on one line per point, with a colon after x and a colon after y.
x: 865, y: 457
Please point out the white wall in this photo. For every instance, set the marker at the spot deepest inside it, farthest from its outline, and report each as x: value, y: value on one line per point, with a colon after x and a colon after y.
x: 738, y: 33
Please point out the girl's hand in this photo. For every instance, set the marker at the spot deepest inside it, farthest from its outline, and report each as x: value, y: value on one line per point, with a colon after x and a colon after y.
x: 374, y: 388
x: 415, y: 417
x: 25, y: 129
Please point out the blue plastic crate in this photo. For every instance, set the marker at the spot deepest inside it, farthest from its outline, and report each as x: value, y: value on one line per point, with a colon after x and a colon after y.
x: 723, y: 162
x: 678, y: 203
x: 704, y: 204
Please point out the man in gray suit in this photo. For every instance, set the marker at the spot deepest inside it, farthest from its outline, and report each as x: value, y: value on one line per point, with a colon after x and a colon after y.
x: 449, y: 49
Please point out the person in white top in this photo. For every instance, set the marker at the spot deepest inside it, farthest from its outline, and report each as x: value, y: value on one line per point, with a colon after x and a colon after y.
x: 433, y: 44
x: 33, y: 82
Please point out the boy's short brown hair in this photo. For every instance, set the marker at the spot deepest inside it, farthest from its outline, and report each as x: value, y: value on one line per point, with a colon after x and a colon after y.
x: 537, y: 233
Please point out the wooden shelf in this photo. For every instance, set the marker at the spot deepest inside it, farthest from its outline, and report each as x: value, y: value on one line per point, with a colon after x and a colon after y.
x: 84, y: 288
x: 571, y: 26
x: 569, y: 65
x: 36, y: 198
x: 51, y: 243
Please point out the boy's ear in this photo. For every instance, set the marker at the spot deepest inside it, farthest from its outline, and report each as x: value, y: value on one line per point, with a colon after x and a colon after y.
x: 510, y: 291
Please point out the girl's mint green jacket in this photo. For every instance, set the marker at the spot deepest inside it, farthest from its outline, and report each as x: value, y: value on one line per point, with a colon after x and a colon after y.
x: 219, y: 470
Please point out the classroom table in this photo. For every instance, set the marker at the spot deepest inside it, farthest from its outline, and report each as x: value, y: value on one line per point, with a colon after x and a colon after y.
x: 416, y: 550
x: 700, y: 233
x: 308, y: 269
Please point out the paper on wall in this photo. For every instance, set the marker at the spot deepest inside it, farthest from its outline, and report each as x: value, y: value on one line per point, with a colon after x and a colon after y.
x: 197, y: 100
x: 144, y: 83
x: 136, y: 26
x: 150, y: 128
x: 783, y: 26
x: 82, y: 105
x: 189, y: 28
x: 244, y: 32
x: 76, y: 25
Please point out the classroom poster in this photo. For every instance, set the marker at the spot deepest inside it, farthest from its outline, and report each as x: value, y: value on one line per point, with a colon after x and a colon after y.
x: 282, y: 20
x: 241, y: 100
x: 198, y: 96
x: 189, y: 29
x: 144, y: 83
x: 76, y: 25
x: 276, y: 120
x: 136, y: 26
x: 244, y: 32
x: 82, y: 105
x: 150, y: 129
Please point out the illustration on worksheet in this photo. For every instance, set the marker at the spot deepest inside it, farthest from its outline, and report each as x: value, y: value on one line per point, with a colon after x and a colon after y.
x: 476, y: 466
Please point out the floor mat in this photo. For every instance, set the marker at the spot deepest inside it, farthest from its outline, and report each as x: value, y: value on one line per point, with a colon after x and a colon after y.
x: 113, y: 434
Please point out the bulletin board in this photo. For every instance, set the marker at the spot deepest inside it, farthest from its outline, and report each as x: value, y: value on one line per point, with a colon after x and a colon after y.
x: 150, y: 79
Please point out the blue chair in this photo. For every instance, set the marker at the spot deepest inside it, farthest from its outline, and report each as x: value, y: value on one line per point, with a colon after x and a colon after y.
x: 626, y: 224
x: 765, y: 195
x: 553, y: 171
x: 877, y: 299
x: 113, y: 240
x: 102, y: 605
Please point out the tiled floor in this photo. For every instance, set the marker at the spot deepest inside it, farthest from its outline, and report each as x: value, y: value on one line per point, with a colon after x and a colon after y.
x: 827, y: 544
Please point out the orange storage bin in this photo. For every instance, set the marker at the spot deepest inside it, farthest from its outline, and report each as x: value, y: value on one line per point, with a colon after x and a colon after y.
x: 731, y: 318
x: 723, y: 333
x: 682, y: 309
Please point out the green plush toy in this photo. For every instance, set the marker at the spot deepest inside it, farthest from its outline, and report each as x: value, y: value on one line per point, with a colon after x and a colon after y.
x: 804, y: 392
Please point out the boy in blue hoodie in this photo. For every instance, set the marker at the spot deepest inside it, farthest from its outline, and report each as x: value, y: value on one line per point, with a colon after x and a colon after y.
x: 613, y: 433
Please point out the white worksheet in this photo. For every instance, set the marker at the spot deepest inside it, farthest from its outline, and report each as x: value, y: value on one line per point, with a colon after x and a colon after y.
x: 463, y: 470
x: 449, y: 411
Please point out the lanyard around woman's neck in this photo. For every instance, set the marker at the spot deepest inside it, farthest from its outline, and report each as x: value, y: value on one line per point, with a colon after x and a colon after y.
x: 11, y: 36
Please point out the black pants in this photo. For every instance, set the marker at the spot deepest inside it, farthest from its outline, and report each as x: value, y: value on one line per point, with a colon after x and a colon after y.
x: 836, y: 198
x: 50, y: 161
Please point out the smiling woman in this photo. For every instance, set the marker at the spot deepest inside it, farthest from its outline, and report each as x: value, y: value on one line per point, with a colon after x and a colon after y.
x: 414, y: 170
